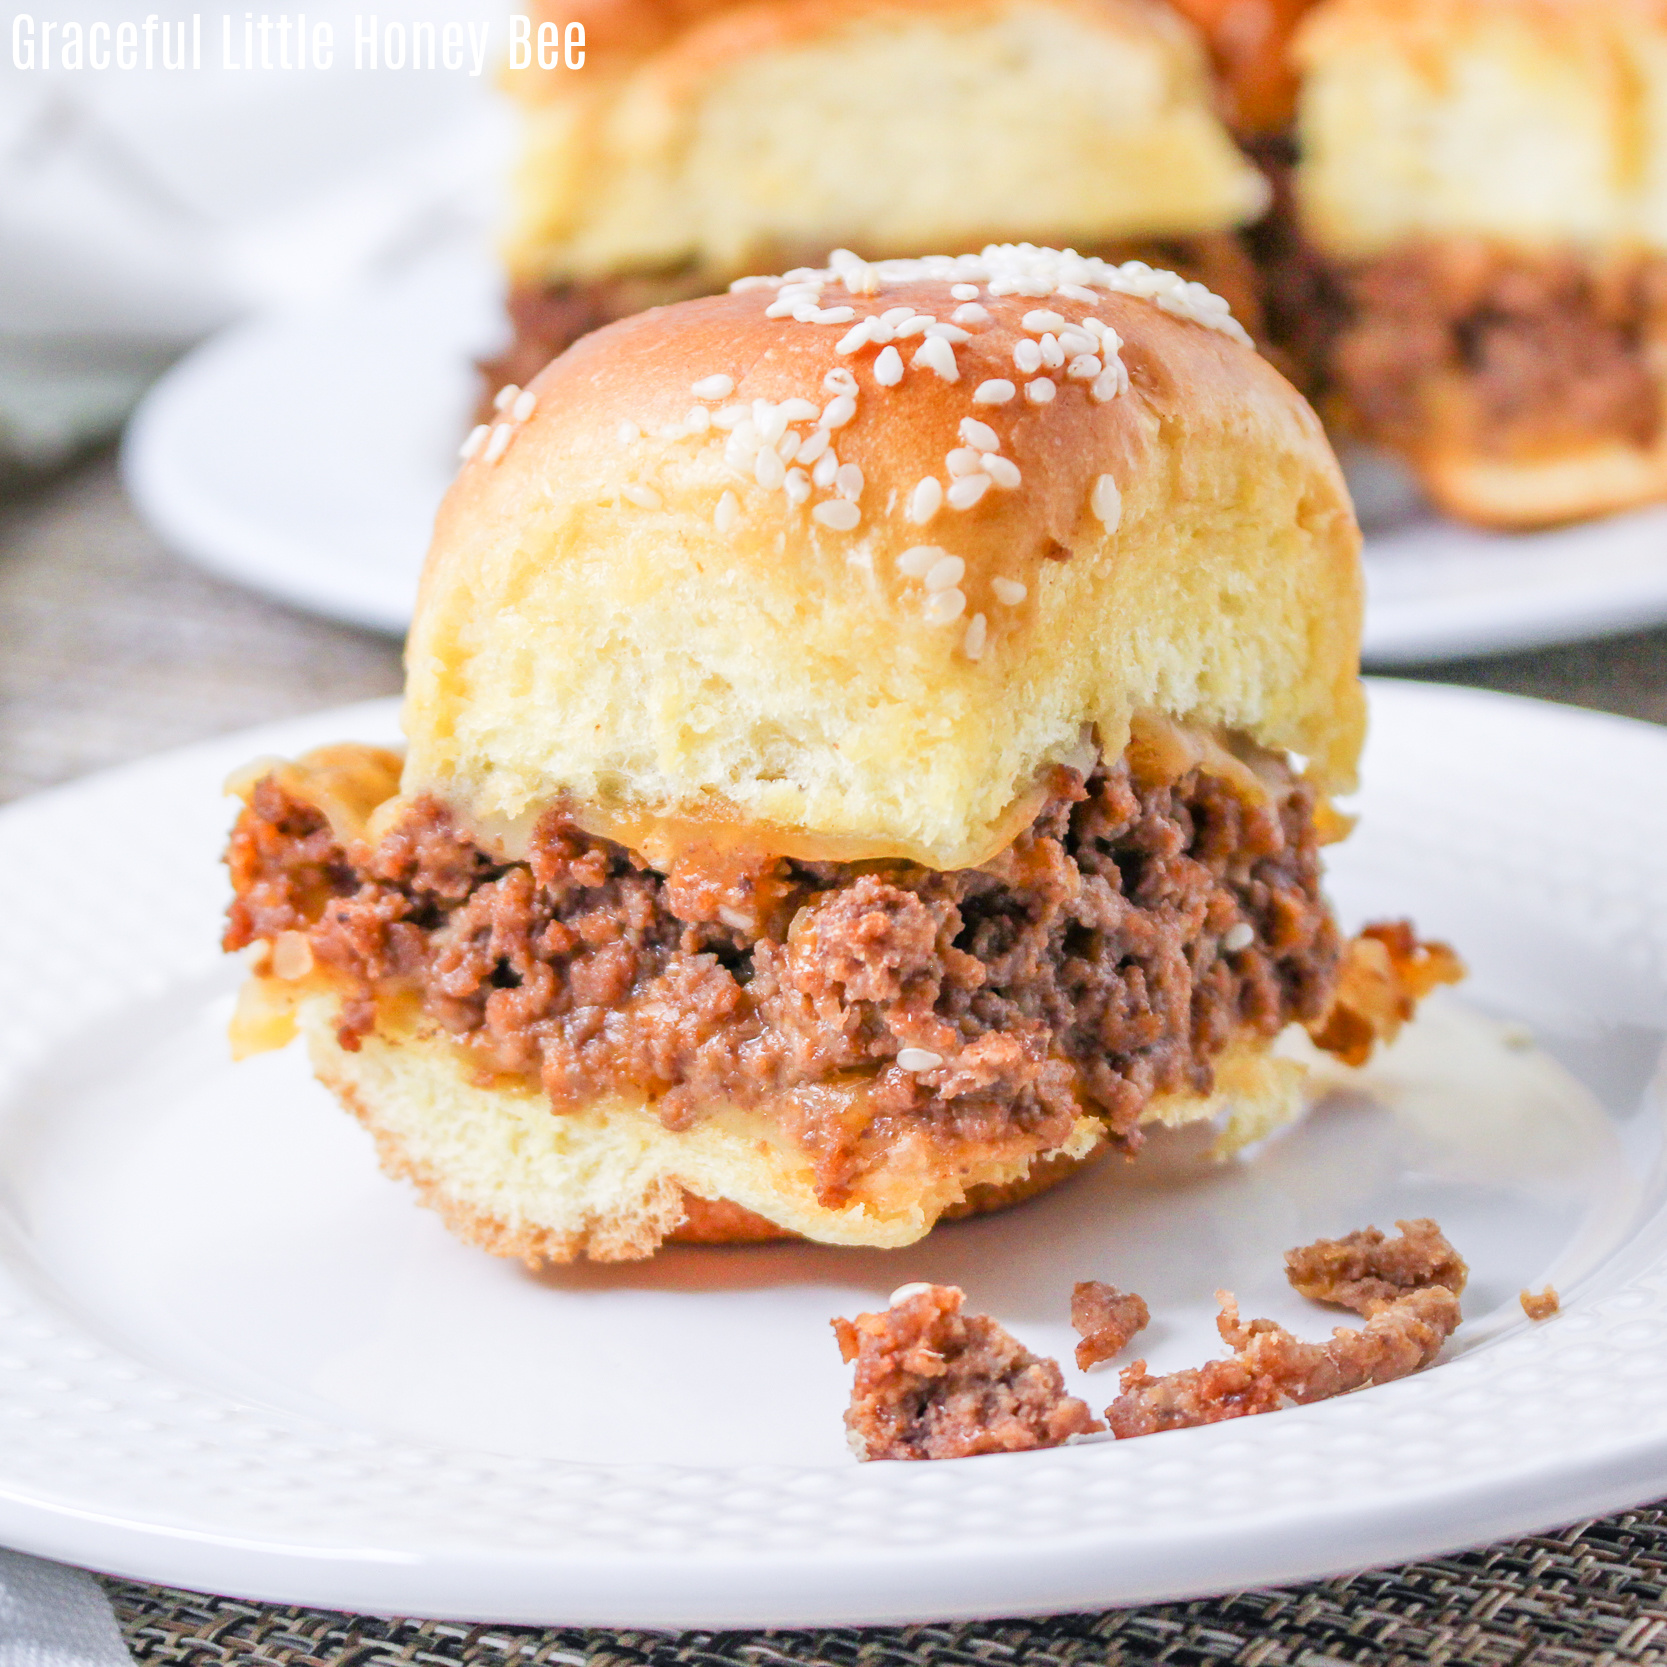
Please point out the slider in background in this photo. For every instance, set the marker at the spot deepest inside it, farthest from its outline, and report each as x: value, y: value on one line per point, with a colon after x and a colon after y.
x: 701, y: 142
x: 1478, y: 283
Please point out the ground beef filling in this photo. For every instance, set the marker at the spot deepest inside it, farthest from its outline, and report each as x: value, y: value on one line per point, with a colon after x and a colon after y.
x: 1552, y: 352
x: 1109, y: 955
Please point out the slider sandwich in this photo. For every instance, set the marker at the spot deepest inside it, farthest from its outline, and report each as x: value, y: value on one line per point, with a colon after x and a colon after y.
x: 707, y: 139
x: 870, y: 737
x: 1483, y: 189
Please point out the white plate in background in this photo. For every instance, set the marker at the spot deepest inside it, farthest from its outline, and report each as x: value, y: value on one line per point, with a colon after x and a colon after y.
x: 233, y: 1356
x: 305, y: 456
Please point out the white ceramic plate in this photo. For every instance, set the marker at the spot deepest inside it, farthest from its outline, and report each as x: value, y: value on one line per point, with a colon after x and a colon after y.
x: 233, y: 1356
x: 323, y: 488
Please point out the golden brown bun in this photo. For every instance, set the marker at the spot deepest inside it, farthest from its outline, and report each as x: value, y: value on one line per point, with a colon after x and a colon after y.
x: 605, y: 1179
x: 1538, y: 123
x: 1518, y: 495
x: 587, y: 636
x: 718, y: 139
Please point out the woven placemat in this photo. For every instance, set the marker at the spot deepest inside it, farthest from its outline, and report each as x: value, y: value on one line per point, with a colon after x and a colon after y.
x: 1595, y: 1593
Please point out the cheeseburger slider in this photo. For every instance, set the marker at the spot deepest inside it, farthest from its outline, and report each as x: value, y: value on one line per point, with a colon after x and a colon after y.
x: 1483, y: 186
x: 704, y: 139
x: 869, y: 743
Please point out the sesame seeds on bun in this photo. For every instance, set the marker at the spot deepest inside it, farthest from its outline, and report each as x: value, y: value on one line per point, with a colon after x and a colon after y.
x: 848, y: 559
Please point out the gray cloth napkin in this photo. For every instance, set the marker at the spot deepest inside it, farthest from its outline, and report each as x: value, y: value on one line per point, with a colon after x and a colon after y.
x: 53, y: 1616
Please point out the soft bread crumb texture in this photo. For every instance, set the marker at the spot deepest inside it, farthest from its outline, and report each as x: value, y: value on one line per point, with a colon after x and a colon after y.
x: 587, y: 636
x: 1540, y: 123
x: 606, y: 1179
x: 760, y: 130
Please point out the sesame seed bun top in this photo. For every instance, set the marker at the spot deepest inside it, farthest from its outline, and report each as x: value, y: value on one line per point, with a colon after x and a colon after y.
x: 754, y: 567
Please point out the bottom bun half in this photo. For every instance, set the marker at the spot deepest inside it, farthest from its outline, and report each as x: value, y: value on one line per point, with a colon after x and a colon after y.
x: 607, y: 1180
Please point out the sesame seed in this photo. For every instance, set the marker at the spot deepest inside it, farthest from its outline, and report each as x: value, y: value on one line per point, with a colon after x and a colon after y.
x: 1240, y: 935
x: 504, y: 396
x: 925, y: 500
x: 1077, y: 341
x: 1040, y: 391
x: 964, y: 292
x: 698, y: 420
x: 848, y: 481
x: 904, y: 1292
x: 979, y: 434
x: 964, y: 460
x: 477, y: 439
x: 1002, y: 470
x: 944, y: 572
x: 755, y: 282
x: 1107, y: 502
x: 839, y: 411
x: 1009, y: 591
x: 834, y: 315
x: 970, y: 313
x: 997, y: 391
x: 1004, y: 286
x: 838, y: 513
x: 526, y: 402
x: 972, y: 644
x: 796, y: 484
x: 944, y: 607
x: 918, y: 561
x: 814, y: 445
x: 1028, y: 357
x: 893, y: 316
x: 644, y: 497
x: 501, y: 436
x: 1076, y: 292
x: 1041, y: 319
x: 966, y: 491
x: 916, y: 1059
x: 729, y: 416
x: 727, y: 513
x: 787, y: 447
x: 1085, y: 367
x: 949, y: 332
x: 768, y: 469
x: 1108, y: 385
x: 1053, y: 355
x: 859, y: 335
x: 913, y: 326
x: 888, y: 367
x: 798, y: 410
x: 783, y: 306
x: 827, y: 466
x: 628, y: 434
x: 741, y: 446
x: 937, y: 355
x: 714, y: 387
x: 770, y: 421
x: 839, y: 381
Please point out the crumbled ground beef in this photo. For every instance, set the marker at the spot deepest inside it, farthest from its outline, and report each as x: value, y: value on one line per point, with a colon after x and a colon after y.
x: 1367, y: 1267
x: 1105, y: 1318
x: 934, y: 1383
x: 1270, y: 1368
x: 1540, y: 1305
x: 1554, y: 350
x: 1084, y: 968
x: 1408, y: 1288
x: 1386, y: 972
